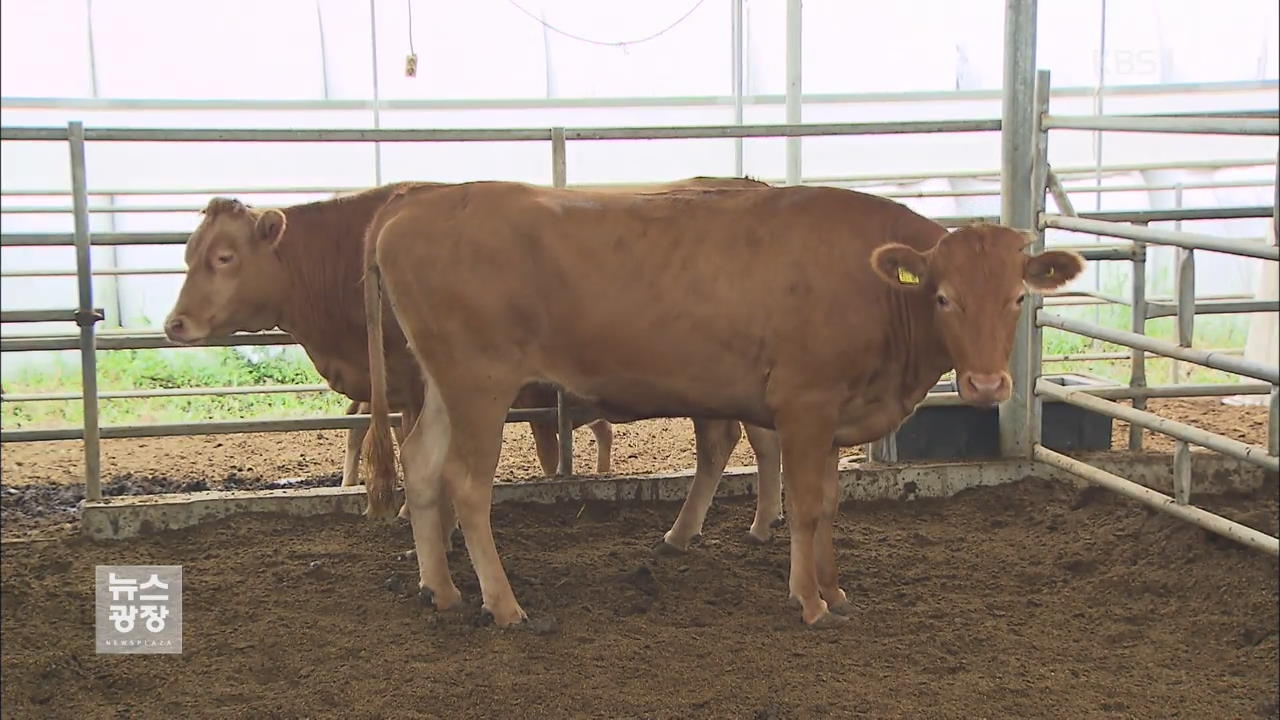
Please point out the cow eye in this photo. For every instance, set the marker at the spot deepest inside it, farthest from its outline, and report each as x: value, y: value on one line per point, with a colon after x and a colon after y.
x: 1021, y: 297
x: 224, y: 258
x: 943, y: 302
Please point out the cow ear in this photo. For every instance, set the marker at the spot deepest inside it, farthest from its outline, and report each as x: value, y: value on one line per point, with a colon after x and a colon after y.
x: 1052, y: 269
x: 270, y: 226
x: 900, y: 266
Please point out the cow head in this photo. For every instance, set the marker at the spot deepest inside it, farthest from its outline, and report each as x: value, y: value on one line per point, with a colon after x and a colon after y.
x: 235, y: 280
x: 977, y: 278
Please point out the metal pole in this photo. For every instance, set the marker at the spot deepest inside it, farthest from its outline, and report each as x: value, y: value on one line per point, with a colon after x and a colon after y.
x: 1138, y: 324
x: 1182, y: 472
x: 1235, y: 531
x: 564, y: 420
x: 739, y: 167
x: 86, y: 318
x: 559, y: 158
x: 1185, y: 292
x: 377, y: 114
x: 1039, y: 188
x: 794, y: 15
x: 1185, y: 273
x: 1273, y: 423
x: 1017, y: 141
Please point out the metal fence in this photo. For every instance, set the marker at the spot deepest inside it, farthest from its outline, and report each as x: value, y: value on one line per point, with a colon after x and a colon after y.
x: 1031, y: 389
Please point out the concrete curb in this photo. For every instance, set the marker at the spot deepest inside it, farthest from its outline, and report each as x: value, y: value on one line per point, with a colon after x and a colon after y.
x: 125, y: 517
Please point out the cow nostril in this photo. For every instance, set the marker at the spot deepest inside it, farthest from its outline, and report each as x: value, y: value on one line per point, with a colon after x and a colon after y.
x: 176, y: 325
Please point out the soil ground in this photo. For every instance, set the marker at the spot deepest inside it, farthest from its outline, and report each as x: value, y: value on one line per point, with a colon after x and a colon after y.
x: 1030, y: 600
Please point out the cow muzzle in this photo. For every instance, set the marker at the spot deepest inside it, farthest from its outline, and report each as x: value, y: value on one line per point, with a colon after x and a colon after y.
x: 985, y: 388
x: 179, y: 329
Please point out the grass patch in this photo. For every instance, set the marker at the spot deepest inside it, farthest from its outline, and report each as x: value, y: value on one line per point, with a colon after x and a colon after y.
x: 172, y: 368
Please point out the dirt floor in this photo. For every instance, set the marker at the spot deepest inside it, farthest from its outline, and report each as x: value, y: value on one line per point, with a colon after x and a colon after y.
x: 41, y: 484
x: 641, y: 447
x: 1029, y: 600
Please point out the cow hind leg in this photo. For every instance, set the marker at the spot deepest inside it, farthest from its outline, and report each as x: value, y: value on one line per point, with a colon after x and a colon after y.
x: 715, y: 441
x: 547, y: 446
x: 768, y: 484
x: 424, y: 455
x: 476, y: 417
x: 603, y: 431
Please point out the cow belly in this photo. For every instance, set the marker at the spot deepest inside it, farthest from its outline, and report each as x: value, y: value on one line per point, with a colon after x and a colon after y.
x: 635, y: 398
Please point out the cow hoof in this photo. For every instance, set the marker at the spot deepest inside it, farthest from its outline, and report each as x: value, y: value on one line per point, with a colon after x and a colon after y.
x: 780, y: 521
x: 828, y: 620
x: 440, y: 601
x: 509, y: 620
x: 666, y: 549
x: 844, y: 608
x: 751, y: 538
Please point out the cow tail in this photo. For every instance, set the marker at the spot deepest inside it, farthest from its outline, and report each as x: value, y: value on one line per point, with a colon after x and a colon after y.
x: 380, y: 455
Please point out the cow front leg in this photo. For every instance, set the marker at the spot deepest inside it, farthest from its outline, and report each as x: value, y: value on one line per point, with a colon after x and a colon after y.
x: 768, y: 483
x: 714, y: 441
x: 825, y: 548
x: 355, y: 441
x: 807, y: 438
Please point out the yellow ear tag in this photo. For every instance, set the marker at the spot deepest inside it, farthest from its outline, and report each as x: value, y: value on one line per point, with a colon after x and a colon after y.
x: 906, y: 277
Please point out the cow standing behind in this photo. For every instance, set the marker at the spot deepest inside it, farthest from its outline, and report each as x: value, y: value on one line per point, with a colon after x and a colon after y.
x: 827, y: 314
x: 301, y: 269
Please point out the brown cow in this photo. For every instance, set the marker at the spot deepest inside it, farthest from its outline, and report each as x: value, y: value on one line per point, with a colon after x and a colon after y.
x: 245, y: 272
x: 826, y: 314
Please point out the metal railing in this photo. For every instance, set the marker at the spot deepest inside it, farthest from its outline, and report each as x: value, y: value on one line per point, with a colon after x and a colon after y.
x: 1030, y: 388
x: 87, y: 340
x: 76, y: 135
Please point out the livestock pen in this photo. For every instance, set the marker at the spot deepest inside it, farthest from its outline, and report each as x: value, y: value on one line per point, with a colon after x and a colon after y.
x: 1008, y: 586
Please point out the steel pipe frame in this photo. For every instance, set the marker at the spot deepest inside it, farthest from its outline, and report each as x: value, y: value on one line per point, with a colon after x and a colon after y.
x: 1056, y: 187
x: 1229, y: 307
x: 1192, y: 241
x: 229, y: 427
x: 564, y: 419
x: 1080, y: 357
x: 691, y: 132
x: 767, y: 99
x: 1217, y: 361
x: 86, y: 318
x: 852, y: 179
x: 39, y: 316
x: 1018, y: 144
x: 167, y: 392
x: 1186, y: 309
x: 64, y: 239
x: 1225, y: 445
x: 1202, y: 124
x: 1232, y: 530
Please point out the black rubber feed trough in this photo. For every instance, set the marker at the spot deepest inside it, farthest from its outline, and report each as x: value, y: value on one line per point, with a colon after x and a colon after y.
x: 962, y: 432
